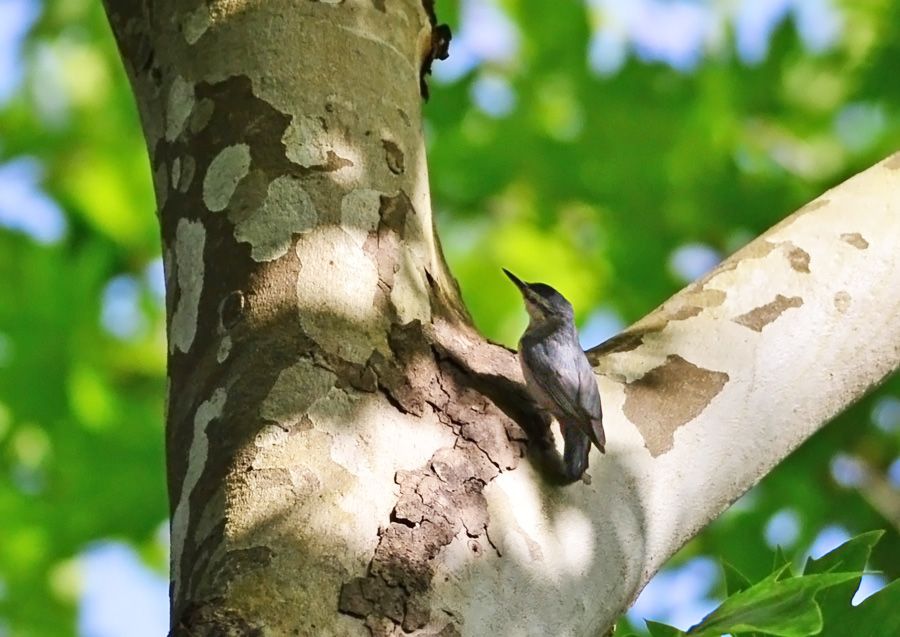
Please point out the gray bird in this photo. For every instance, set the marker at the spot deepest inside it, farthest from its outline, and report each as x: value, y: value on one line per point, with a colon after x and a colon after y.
x: 558, y: 375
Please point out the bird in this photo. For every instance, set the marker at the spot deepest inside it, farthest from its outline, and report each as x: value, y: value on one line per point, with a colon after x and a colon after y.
x: 558, y: 375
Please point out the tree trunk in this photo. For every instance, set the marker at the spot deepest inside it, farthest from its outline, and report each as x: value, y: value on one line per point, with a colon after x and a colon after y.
x: 346, y: 455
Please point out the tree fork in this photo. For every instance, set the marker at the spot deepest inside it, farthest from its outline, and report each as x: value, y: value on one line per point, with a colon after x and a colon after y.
x: 345, y: 453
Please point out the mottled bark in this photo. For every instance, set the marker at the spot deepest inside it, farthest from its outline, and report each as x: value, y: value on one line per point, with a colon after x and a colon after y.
x: 346, y: 456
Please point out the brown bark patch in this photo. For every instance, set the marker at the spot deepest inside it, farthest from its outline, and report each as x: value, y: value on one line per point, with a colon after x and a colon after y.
x: 393, y: 157
x: 363, y: 597
x: 667, y: 397
x: 761, y: 316
x: 692, y: 303
x: 685, y: 312
x: 409, y: 380
x: 212, y: 618
x: 708, y: 297
x: 855, y: 239
x: 797, y: 257
x: 441, y: 499
x: 755, y: 250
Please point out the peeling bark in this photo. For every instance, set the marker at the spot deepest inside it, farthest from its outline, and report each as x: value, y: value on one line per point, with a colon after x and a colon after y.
x: 667, y: 397
x: 757, y: 318
x: 346, y: 455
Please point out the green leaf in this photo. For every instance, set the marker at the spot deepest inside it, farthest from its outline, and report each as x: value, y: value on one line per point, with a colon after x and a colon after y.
x: 876, y: 616
x: 852, y: 555
x: 658, y: 629
x: 735, y: 581
x: 782, y: 563
x: 785, y: 607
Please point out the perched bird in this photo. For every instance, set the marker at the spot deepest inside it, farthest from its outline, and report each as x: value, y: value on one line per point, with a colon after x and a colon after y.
x: 558, y: 375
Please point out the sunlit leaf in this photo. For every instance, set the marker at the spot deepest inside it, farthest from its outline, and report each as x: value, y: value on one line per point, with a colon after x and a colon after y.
x: 783, y: 607
x: 658, y: 629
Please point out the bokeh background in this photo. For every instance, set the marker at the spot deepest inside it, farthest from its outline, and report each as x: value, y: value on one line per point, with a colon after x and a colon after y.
x: 616, y: 149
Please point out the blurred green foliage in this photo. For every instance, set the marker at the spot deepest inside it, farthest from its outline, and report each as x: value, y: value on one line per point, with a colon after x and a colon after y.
x: 582, y: 180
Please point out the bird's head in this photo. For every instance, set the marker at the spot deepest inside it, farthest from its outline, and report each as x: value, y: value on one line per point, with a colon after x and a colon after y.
x: 541, y: 301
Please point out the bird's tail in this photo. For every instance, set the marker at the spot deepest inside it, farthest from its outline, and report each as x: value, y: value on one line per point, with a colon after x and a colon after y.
x: 575, y: 454
x: 597, y: 435
x: 578, y: 438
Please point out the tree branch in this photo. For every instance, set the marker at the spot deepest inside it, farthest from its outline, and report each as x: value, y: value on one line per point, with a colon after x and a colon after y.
x: 702, y: 398
x: 341, y: 445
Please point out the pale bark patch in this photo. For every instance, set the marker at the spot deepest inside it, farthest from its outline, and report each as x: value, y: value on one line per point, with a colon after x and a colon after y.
x: 161, y: 186
x: 360, y: 213
x: 270, y: 436
x: 208, y: 411
x: 409, y: 294
x: 224, y: 174
x: 178, y: 106
x: 667, y: 397
x: 309, y: 143
x: 303, y: 480
x: 190, y: 239
x: 341, y: 319
x: 224, y: 349
x: 168, y: 266
x: 201, y: 115
x: 368, y: 448
x: 757, y: 318
x: 304, y: 141
x: 176, y: 172
x: 552, y: 547
x: 188, y: 166
x: 286, y: 211
x: 196, y: 23
x: 350, y: 445
x: 295, y: 390
x: 576, y: 537
x: 842, y: 301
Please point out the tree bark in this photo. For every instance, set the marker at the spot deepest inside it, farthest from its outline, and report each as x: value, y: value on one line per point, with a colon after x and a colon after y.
x: 346, y: 456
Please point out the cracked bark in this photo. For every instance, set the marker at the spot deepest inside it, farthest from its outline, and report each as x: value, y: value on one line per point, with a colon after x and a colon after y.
x: 346, y: 455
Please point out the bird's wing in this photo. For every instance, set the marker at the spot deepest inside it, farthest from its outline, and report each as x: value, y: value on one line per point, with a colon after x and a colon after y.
x: 559, y: 382
x: 589, y: 401
x: 572, y: 387
x: 588, y: 394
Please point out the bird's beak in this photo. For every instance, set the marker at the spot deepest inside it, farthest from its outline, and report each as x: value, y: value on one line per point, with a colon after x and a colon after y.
x: 519, y: 282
